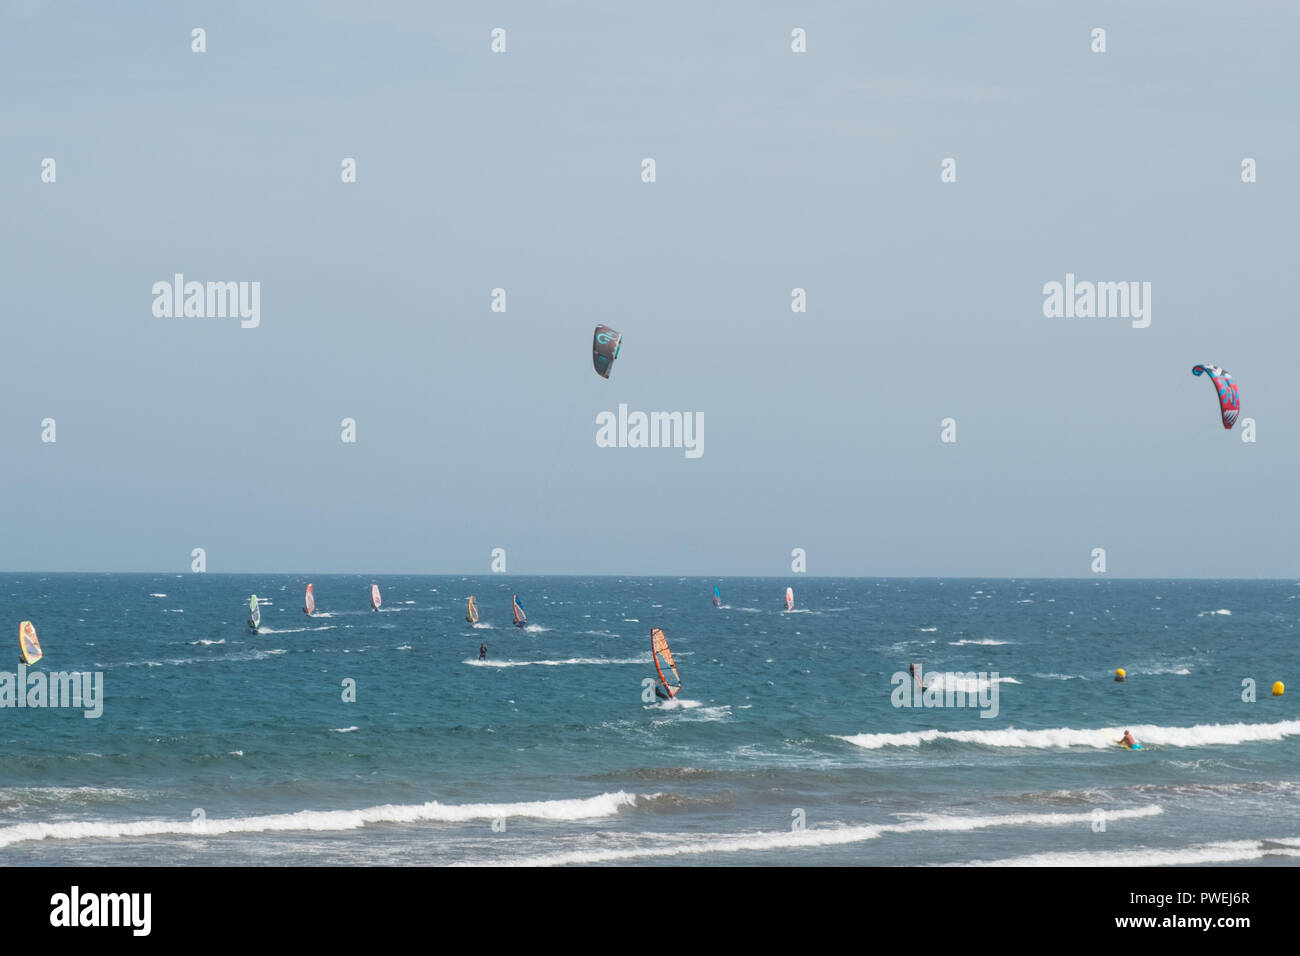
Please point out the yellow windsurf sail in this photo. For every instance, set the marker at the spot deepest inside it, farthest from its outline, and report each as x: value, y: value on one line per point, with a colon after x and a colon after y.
x: 471, y: 612
x: 28, y: 643
x: 662, y: 656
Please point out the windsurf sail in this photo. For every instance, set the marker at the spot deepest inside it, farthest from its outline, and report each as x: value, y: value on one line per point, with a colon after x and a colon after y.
x: 663, y: 656
x: 520, y: 617
x: 717, y: 597
x: 28, y: 644
x: 604, y: 349
x: 471, y: 612
x: 254, y: 613
x: 789, y: 599
x: 309, y: 602
x: 1229, y: 398
x: 375, y: 600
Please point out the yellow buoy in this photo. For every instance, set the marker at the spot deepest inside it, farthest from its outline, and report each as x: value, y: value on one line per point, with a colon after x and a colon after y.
x: 1278, y: 688
x: 1119, y: 674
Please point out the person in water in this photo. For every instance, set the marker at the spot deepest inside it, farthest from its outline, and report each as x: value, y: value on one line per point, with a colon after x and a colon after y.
x: 482, y: 652
x: 1127, y: 740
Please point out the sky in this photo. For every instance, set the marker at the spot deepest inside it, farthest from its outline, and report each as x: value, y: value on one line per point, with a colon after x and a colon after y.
x: 774, y: 171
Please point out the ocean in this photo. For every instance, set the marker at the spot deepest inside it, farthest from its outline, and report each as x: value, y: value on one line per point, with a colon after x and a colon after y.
x: 787, y: 744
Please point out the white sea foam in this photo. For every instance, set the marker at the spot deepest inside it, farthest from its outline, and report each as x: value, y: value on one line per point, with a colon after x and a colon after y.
x: 1201, y: 735
x: 588, y: 808
x: 676, y: 703
x: 653, y: 847
x: 1232, y: 851
x: 983, y: 642
x: 157, y: 595
x: 255, y: 655
x: 69, y: 794
x: 692, y: 710
x: 965, y: 683
x: 473, y: 662
x: 207, y: 643
x: 344, y: 730
x: 295, y: 630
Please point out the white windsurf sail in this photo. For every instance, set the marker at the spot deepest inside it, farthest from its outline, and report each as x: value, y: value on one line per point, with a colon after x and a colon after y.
x: 28, y: 644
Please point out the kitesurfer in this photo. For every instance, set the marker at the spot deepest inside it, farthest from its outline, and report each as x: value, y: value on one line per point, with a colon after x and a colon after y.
x: 482, y: 652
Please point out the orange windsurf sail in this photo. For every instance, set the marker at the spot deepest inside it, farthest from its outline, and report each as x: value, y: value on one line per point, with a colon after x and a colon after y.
x: 663, y: 656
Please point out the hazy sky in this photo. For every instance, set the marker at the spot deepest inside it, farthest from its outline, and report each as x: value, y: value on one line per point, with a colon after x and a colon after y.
x: 775, y: 170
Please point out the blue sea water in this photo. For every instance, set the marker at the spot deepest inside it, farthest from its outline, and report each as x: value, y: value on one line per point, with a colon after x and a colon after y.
x: 217, y: 746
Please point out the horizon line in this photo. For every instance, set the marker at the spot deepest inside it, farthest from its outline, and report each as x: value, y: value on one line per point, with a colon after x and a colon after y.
x: 704, y: 577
